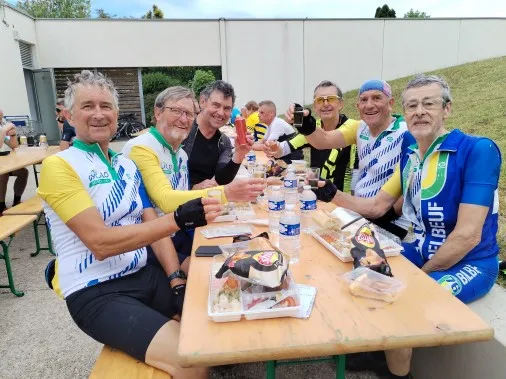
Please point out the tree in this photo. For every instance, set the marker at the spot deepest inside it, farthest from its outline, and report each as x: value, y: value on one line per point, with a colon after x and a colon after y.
x: 416, y: 14
x: 56, y: 8
x: 156, y: 82
x: 155, y: 12
x: 201, y: 79
x: 103, y: 14
x: 384, y: 12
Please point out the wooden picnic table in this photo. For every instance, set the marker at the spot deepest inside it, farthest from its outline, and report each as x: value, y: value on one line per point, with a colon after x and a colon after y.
x: 27, y: 157
x: 424, y: 315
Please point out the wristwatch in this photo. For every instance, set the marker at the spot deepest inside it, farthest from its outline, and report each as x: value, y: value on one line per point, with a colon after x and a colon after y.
x: 177, y: 274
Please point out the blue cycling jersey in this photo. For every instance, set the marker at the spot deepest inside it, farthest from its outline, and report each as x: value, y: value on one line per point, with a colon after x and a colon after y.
x: 457, y: 168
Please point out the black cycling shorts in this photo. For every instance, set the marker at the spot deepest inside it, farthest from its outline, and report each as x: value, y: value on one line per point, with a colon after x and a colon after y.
x: 124, y: 313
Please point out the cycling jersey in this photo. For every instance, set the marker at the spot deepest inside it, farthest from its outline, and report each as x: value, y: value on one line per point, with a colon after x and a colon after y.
x: 378, y: 156
x: 164, y: 171
x: 457, y: 168
x: 335, y: 164
x: 79, y: 178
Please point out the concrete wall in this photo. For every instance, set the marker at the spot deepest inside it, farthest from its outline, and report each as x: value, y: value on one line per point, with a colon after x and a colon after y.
x: 280, y: 60
x: 13, y: 96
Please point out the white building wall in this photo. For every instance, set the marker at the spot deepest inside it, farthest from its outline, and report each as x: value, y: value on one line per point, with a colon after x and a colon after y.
x: 128, y: 43
x: 13, y: 97
x: 280, y: 60
x: 265, y: 61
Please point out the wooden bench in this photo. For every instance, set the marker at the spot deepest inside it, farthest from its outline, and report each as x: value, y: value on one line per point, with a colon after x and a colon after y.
x: 33, y: 206
x: 114, y: 364
x: 8, y: 227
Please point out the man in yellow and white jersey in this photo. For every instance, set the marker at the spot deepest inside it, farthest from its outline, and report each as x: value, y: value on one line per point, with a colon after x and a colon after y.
x: 163, y: 163
x: 101, y: 220
x: 380, y: 138
x: 336, y: 165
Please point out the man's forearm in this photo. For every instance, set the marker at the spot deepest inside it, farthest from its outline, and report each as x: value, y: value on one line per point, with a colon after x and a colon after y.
x: 452, y: 251
x: 163, y: 248
x: 225, y: 174
x: 367, y: 207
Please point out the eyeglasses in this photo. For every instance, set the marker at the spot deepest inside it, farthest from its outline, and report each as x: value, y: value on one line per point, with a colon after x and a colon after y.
x: 245, y: 237
x: 330, y: 99
x: 427, y: 104
x: 177, y: 112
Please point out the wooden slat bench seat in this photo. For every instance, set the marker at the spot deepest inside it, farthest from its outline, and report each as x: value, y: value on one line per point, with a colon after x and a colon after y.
x: 9, y: 225
x: 114, y: 364
x: 33, y: 206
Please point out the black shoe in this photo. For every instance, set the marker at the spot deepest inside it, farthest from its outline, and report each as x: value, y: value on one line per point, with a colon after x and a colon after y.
x: 49, y: 273
x: 370, y: 361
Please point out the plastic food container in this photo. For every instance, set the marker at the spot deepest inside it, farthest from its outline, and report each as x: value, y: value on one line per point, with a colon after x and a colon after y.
x: 254, y: 301
x: 370, y: 284
x: 236, y: 212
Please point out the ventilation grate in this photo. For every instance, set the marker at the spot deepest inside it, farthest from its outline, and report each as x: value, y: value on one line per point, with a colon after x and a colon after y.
x: 26, y: 54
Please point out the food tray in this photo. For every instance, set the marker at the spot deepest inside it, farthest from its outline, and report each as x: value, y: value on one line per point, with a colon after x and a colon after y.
x: 235, y: 212
x: 390, y: 247
x: 245, y: 298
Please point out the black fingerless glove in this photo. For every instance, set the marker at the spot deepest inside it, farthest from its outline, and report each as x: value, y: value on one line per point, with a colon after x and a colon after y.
x: 178, y: 298
x: 190, y: 214
x: 327, y: 192
x: 308, y: 124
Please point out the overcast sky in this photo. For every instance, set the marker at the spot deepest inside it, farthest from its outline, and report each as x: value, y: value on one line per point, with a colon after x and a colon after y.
x: 298, y: 8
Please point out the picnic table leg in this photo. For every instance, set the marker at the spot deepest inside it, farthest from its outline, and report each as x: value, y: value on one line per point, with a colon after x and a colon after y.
x: 271, y: 369
x: 6, y: 258
x: 37, y: 241
x: 340, y: 365
x: 49, y: 241
x: 35, y: 174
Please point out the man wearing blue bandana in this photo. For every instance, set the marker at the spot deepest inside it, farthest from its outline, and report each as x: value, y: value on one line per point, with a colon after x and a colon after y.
x: 449, y: 182
x: 380, y: 138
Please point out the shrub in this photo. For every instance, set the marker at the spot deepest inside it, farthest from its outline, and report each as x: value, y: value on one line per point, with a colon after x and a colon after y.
x: 201, y: 79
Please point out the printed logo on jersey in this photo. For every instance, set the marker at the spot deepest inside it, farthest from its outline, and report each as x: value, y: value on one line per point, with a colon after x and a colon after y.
x: 166, y: 168
x: 98, y: 178
x: 451, y: 283
x: 435, y: 177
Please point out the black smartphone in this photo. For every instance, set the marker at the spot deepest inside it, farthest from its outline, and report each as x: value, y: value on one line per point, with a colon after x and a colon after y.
x: 207, y: 251
x: 298, y: 115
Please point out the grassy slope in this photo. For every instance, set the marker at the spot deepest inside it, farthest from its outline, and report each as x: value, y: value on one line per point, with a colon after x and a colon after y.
x: 479, y: 107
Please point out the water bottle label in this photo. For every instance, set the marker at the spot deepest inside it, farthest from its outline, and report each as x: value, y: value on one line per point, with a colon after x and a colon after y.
x: 276, y: 205
x: 309, y: 205
x: 251, y: 158
x: 290, y: 183
x: 289, y: 229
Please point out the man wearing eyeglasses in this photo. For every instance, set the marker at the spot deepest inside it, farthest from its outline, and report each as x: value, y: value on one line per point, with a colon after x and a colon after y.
x: 449, y: 183
x: 335, y: 164
x: 211, y: 159
x: 380, y: 138
x: 164, y: 166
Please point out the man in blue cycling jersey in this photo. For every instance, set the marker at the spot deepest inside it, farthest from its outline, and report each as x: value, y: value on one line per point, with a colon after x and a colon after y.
x: 449, y: 181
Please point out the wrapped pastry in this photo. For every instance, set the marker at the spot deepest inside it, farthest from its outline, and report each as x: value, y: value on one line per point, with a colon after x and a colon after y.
x: 366, y: 251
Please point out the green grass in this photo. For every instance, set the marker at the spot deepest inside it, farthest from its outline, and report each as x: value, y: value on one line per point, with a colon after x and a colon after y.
x: 479, y: 107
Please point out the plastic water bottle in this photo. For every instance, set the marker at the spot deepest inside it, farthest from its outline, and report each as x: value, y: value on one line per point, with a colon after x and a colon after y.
x: 307, y: 207
x: 289, y: 233
x: 276, y: 206
x: 251, y: 156
x: 291, y: 184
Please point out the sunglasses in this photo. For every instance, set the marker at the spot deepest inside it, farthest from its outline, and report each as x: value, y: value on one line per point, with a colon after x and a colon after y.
x: 330, y: 99
x: 245, y: 237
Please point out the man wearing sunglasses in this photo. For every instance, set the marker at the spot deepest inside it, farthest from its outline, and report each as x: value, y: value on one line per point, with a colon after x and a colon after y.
x: 164, y: 166
x: 335, y: 164
x: 380, y: 138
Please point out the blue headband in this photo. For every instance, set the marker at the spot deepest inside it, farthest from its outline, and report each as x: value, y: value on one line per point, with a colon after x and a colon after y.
x: 378, y: 85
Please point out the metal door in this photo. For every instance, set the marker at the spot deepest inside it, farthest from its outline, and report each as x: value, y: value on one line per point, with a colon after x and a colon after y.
x: 46, y: 102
